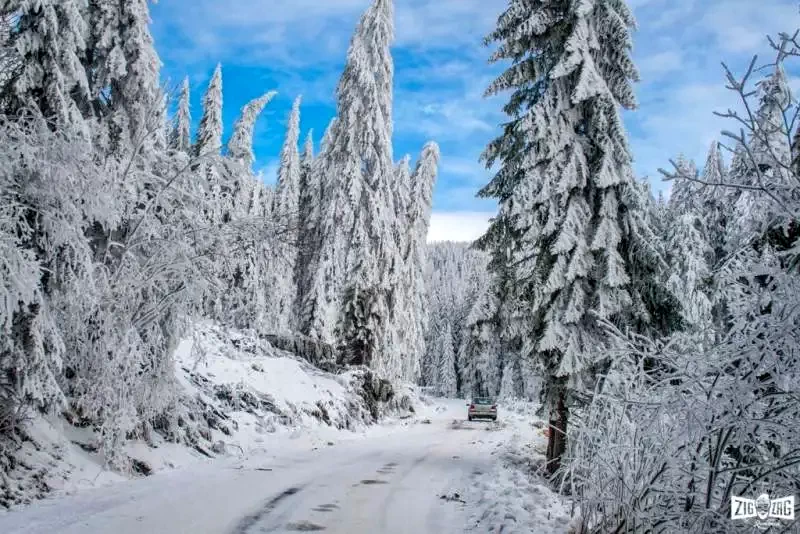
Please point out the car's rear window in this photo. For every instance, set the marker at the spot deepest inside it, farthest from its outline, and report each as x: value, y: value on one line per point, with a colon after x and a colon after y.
x: 482, y: 401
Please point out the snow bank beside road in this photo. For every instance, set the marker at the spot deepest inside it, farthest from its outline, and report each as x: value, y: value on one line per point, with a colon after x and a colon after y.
x: 247, y: 392
x: 512, y: 497
x: 240, y: 396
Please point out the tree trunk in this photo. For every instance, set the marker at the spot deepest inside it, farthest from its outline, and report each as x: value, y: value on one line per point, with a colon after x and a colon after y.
x: 557, y: 439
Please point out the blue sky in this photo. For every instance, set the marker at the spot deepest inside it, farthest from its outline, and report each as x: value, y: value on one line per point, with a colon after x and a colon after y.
x: 299, y: 46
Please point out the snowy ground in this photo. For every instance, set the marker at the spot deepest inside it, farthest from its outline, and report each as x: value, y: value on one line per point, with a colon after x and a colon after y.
x: 437, y: 473
x: 511, y: 498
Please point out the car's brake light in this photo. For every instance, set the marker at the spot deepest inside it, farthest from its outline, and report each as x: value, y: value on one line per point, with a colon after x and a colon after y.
x: 471, y: 406
x: 494, y: 407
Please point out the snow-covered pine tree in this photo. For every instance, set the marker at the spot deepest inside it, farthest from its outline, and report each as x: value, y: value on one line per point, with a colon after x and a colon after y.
x: 686, y: 193
x: 49, y: 40
x: 287, y: 199
x: 309, y: 210
x: 455, y: 277
x: 480, y: 351
x: 370, y: 66
x: 240, y: 145
x: 206, y: 151
x: 418, y: 215
x: 243, y: 258
x: 209, y: 132
x: 287, y: 213
x: 713, y: 207
x: 447, y: 364
x: 716, y: 200
x: 357, y: 254
x: 403, y: 322
x: 766, y: 162
x: 320, y: 284
x: 422, y: 181
x: 569, y: 208
x: 771, y: 141
x: 139, y: 89
x: 309, y: 213
x: 181, y: 137
x: 690, y: 253
x: 476, y: 284
x: 123, y: 69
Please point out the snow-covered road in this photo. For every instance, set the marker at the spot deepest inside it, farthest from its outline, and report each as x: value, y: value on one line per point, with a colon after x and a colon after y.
x: 390, y: 480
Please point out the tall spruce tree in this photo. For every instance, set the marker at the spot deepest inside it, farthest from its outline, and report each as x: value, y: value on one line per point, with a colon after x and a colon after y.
x: 240, y: 145
x: 207, y: 147
x: 403, y: 325
x: 181, y: 136
x: 690, y: 253
x: 309, y: 212
x: 320, y: 283
x: 358, y: 258
x: 447, y: 364
x: 570, y: 212
x: 714, y: 199
x: 287, y: 212
x: 49, y: 39
x: 481, y: 349
x: 415, y: 259
x: 242, y: 301
x: 765, y: 163
x: 138, y: 89
x: 209, y: 132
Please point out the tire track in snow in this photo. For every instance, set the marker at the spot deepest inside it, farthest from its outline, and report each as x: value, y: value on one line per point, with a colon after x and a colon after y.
x: 389, y: 499
x: 251, y: 520
x: 283, y: 516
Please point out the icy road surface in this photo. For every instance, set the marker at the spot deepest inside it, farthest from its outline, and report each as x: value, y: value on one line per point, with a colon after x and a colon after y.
x: 388, y: 481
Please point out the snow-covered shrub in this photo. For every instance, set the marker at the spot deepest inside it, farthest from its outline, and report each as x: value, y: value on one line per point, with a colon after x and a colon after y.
x: 667, y: 452
x: 663, y: 448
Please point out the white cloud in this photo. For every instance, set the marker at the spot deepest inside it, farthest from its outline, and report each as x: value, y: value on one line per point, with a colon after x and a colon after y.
x: 458, y: 112
x: 458, y: 225
x: 686, y: 125
x: 743, y: 25
x: 660, y: 63
x: 464, y: 167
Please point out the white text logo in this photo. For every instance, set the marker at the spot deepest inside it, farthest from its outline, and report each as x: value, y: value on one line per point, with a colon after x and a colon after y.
x: 763, y: 509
